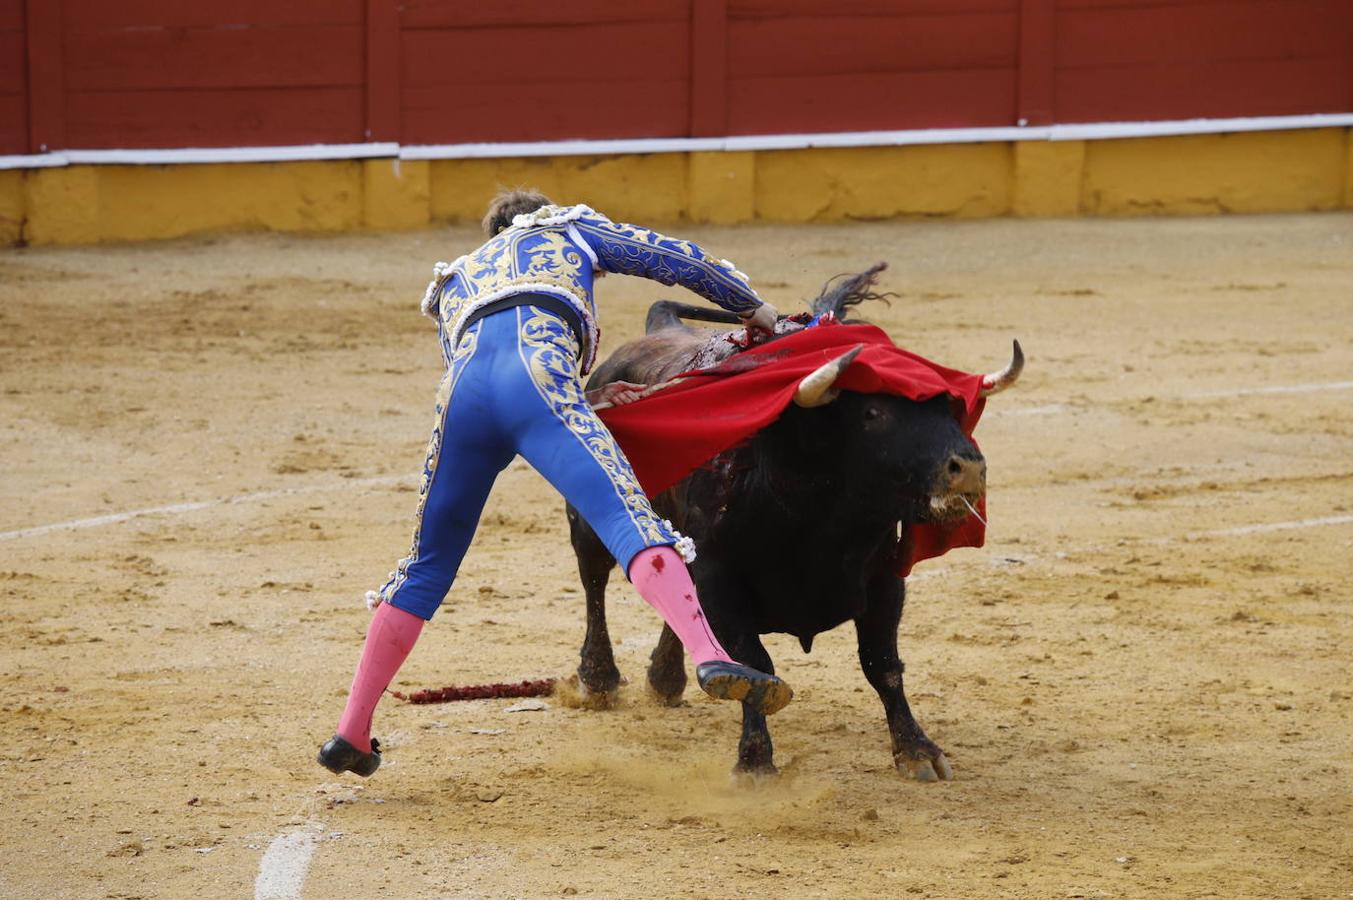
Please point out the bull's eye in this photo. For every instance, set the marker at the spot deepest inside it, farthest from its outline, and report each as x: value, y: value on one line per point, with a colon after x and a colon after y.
x: 871, y: 413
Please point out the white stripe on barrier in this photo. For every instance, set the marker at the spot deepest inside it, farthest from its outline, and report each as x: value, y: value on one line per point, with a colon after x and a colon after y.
x: 1099, y: 131
x: 232, y: 154
x: 35, y: 161
x: 1092, y: 131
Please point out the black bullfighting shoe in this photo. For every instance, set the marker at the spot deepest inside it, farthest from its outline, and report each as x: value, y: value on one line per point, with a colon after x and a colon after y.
x: 734, y: 681
x: 340, y: 756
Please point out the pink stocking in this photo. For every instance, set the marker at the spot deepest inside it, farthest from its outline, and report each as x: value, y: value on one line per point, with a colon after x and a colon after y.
x: 661, y: 578
x: 389, y: 639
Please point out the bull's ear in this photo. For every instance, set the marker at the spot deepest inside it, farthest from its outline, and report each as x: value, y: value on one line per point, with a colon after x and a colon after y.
x: 816, y: 388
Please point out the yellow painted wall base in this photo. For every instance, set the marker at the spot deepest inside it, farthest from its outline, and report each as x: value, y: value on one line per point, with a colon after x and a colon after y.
x: 1258, y: 171
x: 722, y: 188
x: 1275, y: 171
x: 1048, y: 176
x: 86, y: 204
x: 1348, y: 170
x: 633, y: 188
x: 12, y: 206
x: 396, y: 193
x: 883, y: 182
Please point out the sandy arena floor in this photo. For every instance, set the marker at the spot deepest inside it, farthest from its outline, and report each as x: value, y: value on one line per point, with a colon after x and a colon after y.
x: 1144, y: 681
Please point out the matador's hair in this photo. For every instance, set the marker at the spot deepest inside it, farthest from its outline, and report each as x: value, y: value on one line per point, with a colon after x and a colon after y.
x: 508, y: 205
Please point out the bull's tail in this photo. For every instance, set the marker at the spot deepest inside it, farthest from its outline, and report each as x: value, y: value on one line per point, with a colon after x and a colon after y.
x: 669, y: 313
x: 844, y: 292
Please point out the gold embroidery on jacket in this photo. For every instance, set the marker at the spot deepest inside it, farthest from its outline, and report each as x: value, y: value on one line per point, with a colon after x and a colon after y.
x: 495, y: 268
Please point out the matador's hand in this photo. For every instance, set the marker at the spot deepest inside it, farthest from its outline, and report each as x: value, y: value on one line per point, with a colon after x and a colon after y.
x: 763, y: 318
x: 617, y: 393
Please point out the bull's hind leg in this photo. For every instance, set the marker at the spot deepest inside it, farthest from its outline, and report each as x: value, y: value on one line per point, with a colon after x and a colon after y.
x: 598, y: 677
x: 667, y: 669
x: 914, y: 754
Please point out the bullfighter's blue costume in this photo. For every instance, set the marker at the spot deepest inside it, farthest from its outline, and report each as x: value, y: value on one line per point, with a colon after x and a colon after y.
x: 518, y: 328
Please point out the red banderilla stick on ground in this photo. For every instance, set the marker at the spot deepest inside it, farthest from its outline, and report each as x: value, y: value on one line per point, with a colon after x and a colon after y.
x: 541, y: 688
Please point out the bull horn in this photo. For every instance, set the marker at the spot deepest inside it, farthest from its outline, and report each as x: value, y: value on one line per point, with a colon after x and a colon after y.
x: 999, y: 381
x: 816, y: 389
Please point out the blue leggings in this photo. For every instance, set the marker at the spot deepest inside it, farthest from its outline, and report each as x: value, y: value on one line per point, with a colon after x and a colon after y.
x: 512, y: 387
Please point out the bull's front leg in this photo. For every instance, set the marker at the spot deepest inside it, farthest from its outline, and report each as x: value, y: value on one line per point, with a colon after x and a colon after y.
x: 755, y: 751
x: 914, y: 754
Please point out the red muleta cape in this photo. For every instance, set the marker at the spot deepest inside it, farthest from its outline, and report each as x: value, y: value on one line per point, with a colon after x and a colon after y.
x: 669, y: 434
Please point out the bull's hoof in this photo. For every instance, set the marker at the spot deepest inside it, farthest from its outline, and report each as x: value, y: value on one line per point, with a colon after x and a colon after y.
x: 663, y: 698
x: 666, y: 686
x: 924, y: 764
x: 574, y: 692
x: 751, y: 777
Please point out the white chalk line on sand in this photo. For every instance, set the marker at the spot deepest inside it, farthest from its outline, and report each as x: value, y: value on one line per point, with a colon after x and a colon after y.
x: 1275, y: 389
x: 1053, y: 409
x: 1261, y: 528
x: 282, y: 870
x: 114, y: 518
x: 1238, y: 531
x: 1049, y: 409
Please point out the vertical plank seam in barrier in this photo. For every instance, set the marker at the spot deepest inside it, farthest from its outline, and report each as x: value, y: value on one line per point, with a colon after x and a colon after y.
x: 384, y: 111
x: 1037, y: 62
x: 46, y: 87
x: 1349, y: 50
x: 26, y: 86
x: 709, y: 68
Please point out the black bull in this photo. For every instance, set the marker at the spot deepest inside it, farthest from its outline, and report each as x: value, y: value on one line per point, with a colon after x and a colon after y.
x: 797, y: 529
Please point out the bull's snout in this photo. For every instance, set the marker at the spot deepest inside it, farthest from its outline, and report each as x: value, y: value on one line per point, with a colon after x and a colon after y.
x: 965, y: 476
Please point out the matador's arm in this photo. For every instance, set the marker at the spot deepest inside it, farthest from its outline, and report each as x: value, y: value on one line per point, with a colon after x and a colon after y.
x: 630, y: 250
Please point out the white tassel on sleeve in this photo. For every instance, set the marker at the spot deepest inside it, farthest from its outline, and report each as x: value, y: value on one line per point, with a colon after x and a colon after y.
x: 440, y: 271
x: 684, y: 546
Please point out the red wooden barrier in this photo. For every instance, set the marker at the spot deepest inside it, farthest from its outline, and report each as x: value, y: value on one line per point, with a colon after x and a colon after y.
x: 540, y: 69
x: 382, y: 70
x: 709, y: 68
x: 859, y: 66
x: 1184, y: 59
x: 13, y: 78
x: 1037, y: 47
x: 165, y: 73
x: 46, y: 91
